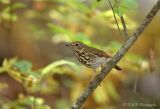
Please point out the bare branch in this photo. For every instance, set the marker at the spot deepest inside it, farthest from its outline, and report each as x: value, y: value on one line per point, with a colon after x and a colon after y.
x: 117, y: 3
x: 115, y: 17
x: 152, y: 60
x: 111, y: 63
x: 135, y: 84
x: 124, y: 27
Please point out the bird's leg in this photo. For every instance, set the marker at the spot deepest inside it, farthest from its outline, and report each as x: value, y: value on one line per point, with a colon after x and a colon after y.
x: 94, y: 74
x: 103, y: 65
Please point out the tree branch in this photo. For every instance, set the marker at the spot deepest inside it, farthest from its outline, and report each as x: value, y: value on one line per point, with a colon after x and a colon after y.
x: 124, y: 27
x: 111, y: 63
x: 115, y: 17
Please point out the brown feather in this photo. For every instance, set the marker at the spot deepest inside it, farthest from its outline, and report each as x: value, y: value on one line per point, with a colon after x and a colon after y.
x: 92, y: 52
x: 97, y: 52
x: 101, y: 53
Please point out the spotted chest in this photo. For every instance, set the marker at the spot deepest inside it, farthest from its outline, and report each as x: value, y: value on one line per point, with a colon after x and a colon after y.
x: 91, y: 60
x: 84, y: 58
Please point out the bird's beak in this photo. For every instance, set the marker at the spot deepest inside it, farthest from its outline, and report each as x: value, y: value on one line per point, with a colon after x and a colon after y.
x: 68, y: 44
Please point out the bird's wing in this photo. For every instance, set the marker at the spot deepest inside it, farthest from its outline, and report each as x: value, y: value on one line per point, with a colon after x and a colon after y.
x: 99, y: 53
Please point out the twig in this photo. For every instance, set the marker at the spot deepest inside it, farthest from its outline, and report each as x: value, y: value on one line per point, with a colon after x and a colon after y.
x: 116, y: 3
x: 122, y: 20
x: 115, y: 17
x: 135, y: 84
x: 34, y: 103
x: 114, y: 60
x: 152, y: 60
x: 124, y: 27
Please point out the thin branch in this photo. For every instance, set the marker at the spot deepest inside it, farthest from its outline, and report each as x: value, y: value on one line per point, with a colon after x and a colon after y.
x: 115, y: 5
x: 111, y: 63
x: 135, y: 84
x: 34, y: 103
x: 152, y: 60
x: 122, y: 20
x: 124, y: 27
x: 115, y: 17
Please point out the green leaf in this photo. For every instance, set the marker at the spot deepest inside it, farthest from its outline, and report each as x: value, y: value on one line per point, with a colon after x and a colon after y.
x: 120, y: 11
x: 53, y: 66
x: 124, y: 6
x: 24, y: 66
x: 21, y: 71
x: 7, y: 64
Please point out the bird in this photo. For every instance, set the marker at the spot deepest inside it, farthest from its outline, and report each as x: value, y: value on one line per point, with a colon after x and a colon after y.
x: 90, y: 57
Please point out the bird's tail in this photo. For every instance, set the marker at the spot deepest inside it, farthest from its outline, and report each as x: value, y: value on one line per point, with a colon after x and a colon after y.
x: 117, y: 67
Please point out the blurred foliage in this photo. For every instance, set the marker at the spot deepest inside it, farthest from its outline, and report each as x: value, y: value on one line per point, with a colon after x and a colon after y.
x: 54, y: 65
x: 60, y: 21
x: 121, y: 6
x: 3, y: 86
x: 20, y: 70
x: 62, y: 104
x: 73, y: 19
x: 8, y: 12
x: 25, y: 102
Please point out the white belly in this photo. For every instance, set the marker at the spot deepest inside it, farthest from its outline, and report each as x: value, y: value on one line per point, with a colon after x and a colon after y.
x: 99, y: 61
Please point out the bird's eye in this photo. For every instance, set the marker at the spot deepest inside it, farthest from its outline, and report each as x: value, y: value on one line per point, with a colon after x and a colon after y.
x: 77, y: 44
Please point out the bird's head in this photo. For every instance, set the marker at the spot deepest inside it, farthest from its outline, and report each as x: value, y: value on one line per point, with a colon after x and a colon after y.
x: 77, y: 46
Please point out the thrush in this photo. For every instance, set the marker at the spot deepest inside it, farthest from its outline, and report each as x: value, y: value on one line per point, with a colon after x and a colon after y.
x: 89, y: 56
